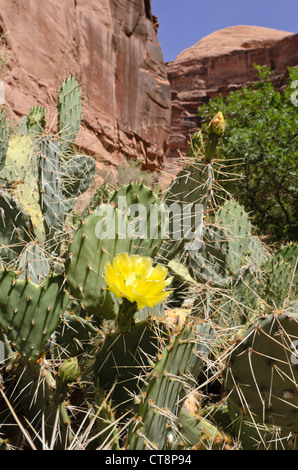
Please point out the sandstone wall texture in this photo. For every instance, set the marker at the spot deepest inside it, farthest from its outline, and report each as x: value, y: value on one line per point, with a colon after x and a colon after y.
x: 220, y: 63
x: 111, y: 47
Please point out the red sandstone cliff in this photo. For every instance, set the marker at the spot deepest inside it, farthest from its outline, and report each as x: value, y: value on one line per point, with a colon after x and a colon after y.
x: 220, y: 63
x: 111, y: 47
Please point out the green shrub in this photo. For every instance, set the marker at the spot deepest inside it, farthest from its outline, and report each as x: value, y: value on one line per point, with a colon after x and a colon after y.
x: 261, y: 139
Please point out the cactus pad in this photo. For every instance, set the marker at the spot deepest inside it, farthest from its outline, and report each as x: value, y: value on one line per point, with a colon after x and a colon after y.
x: 50, y: 190
x: 15, y: 228
x: 282, y: 276
x: 69, y: 112
x: 232, y: 218
x: 188, y: 194
x: 78, y: 172
x: 145, y: 216
x: 33, y: 263
x: 262, y: 374
x: 210, y: 262
x: 30, y: 313
x: 91, y: 248
x: 123, y: 361
x: 159, y: 400
x: 36, y: 120
x: 3, y: 140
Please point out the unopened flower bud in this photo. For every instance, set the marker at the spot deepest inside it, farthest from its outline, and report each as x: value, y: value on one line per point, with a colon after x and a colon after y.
x: 69, y: 370
x: 218, y: 124
x: 216, y: 130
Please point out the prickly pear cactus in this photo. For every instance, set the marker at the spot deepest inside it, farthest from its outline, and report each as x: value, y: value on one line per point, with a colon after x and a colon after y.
x: 197, y: 433
x: 30, y: 313
x: 145, y: 215
x: 107, y: 231
x: 122, y: 361
x: 69, y: 112
x: 262, y: 372
x: 50, y: 191
x: 101, y: 196
x: 162, y: 395
x: 36, y: 121
x: 3, y: 140
x: 33, y: 263
x: 160, y: 398
x: 95, y: 243
x: 281, y: 272
x: 19, y: 160
x: 234, y: 221
x: 16, y: 228
x: 186, y: 198
x: 77, y: 174
x: 210, y: 262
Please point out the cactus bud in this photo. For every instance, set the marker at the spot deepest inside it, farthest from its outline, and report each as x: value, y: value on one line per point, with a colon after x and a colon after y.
x: 216, y: 130
x: 217, y: 125
x: 69, y: 370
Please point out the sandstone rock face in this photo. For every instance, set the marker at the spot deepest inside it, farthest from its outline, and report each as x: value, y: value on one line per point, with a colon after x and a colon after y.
x: 220, y: 63
x: 111, y: 47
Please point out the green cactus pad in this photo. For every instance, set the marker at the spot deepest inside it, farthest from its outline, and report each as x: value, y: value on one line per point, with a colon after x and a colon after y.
x: 159, y: 401
x: 30, y: 313
x: 36, y: 120
x: 145, y: 215
x: 189, y: 194
x: 101, y: 196
x: 254, y: 435
x: 124, y: 360
x: 262, y: 372
x: 75, y: 335
x: 102, y: 236
x: 39, y: 394
x: 78, y: 172
x: 22, y: 128
x: 282, y: 276
x: 94, y: 244
x: 195, y: 432
x: 69, y: 113
x: 50, y: 190
x: 16, y: 228
x: 210, y: 262
x: 204, y: 344
x: 3, y: 140
x: 257, y: 253
x: 33, y: 263
x: 235, y: 222
x: 106, y: 422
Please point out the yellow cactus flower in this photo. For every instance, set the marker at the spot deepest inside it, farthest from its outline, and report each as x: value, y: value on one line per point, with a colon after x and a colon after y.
x: 134, y: 278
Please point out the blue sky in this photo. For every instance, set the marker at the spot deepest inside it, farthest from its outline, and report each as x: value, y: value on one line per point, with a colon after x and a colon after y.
x: 185, y: 22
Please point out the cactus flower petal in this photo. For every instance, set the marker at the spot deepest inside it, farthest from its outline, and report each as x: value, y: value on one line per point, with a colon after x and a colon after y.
x: 134, y: 278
